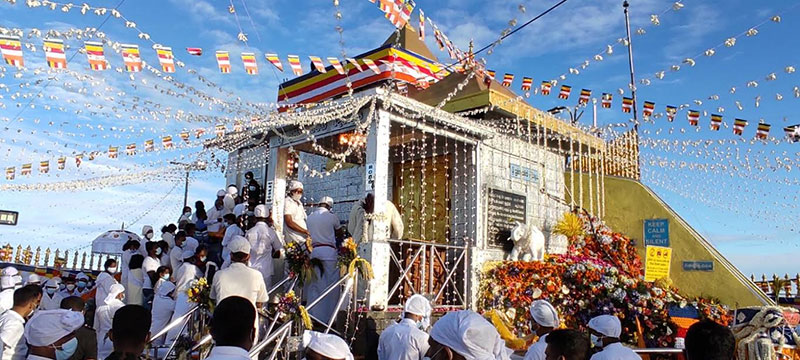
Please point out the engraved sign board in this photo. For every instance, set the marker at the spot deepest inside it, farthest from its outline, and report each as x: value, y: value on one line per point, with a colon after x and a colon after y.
x: 503, y: 210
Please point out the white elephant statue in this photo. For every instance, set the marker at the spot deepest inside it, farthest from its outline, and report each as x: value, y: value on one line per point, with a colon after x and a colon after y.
x: 528, y: 242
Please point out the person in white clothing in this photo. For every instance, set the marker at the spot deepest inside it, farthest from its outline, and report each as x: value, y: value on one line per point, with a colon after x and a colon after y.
x: 323, y: 227
x: 605, y: 331
x: 215, y: 214
x: 104, y: 282
x: 82, y: 283
x: 150, y: 267
x: 10, y: 280
x: 545, y: 320
x: 232, y: 230
x: 133, y: 290
x: 128, y: 250
x: 187, y: 274
x: 468, y: 335
x: 176, y: 254
x: 12, y: 322
x: 147, y: 236
x: 232, y: 329
x: 319, y: 346
x: 51, y: 299
x: 163, y: 307
x: 238, y: 279
x: 33, y: 279
x: 168, y: 234
x: 264, y: 244
x: 294, y: 215
x: 186, y: 215
x: 51, y: 334
x: 407, y: 339
x: 360, y: 225
x: 104, y: 317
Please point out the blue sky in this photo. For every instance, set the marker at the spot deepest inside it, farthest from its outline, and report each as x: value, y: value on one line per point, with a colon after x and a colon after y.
x: 747, y: 212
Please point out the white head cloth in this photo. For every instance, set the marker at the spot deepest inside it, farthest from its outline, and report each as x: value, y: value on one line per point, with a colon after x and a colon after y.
x: 239, y: 244
x: 8, y: 277
x: 113, y: 292
x: 418, y: 305
x: 470, y: 335
x: 48, y: 326
x: 327, y: 345
x: 544, y: 314
x: 52, y: 283
x: 232, y: 191
x: 34, y: 278
x: 146, y: 229
x: 294, y: 185
x: 261, y: 211
x: 607, y: 325
x: 221, y: 193
x: 327, y: 200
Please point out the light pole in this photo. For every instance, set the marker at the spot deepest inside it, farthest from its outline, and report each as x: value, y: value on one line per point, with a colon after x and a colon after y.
x: 574, y: 115
x: 196, y: 165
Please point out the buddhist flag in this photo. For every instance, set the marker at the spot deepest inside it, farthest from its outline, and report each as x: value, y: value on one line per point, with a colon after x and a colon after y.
x: 564, y: 93
x: 44, y: 167
x: 318, y: 64
x: 131, y: 57
x: 792, y: 132
x: 336, y: 65
x: 62, y: 162
x: 54, y: 53
x: 165, y: 58
x: 96, y: 55
x: 627, y: 104
x: 194, y: 51
x: 738, y: 126
x: 11, y: 48
x: 402, y: 87
x: 237, y: 126
x: 421, y: 25
x: 26, y: 169
x: 716, y: 121
x: 78, y: 160
x: 355, y: 63
x: 545, y: 88
x: 219, y: 130
x: 294, y: 62
x: 508, y: 79
x: 584, y: 97
x: 149, y: 145
x: 422, y: 83
x: 224, y: 62
x: 605, y: 102
x: 199, y: 132
x: 274, y: 60
x: 10, y: 173
x: 113, y: 152
x: 526, y: 83
x: 694, y: 117
x: 166, y: 142
x: 371, y: 65
x: 130, y: 149
x: 649, y: 108
x: 671, y: 112
x: 762, y: 132
x: 250, y: 66
x: 184, y: 136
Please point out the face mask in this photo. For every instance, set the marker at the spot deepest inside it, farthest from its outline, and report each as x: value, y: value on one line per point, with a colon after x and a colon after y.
x: 597, y: 341
x: 158, y: 251
x: 149, y: 236
x: 203, y: 259
x: 50, y: 291
x: 165, y: 277
x: 81, y: 284
x: 112, y: 270
x: 71, y: 287
x: 67, y: 349
x: 297, y: 196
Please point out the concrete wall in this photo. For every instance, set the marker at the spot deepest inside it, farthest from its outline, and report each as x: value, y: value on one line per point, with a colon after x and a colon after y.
x: 243, y: 160
x: 345, y: 186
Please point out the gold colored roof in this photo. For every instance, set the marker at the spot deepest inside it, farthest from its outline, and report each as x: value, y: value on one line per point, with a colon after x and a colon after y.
x: 409, y: 40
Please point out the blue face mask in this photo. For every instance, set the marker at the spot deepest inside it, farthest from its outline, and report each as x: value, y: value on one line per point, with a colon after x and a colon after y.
x: 50, y: 291
x: 67, y: 349
x: 81, y: 284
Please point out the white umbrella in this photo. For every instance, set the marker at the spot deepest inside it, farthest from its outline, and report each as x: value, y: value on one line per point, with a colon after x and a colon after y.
x: 110, y: 242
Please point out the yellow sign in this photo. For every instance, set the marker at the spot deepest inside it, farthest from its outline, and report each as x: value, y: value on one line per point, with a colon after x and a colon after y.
x: 657, y: 263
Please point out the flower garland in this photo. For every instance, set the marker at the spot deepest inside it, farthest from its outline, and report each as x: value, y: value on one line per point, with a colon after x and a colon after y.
x: 299, y: 261
x: 289, y: 306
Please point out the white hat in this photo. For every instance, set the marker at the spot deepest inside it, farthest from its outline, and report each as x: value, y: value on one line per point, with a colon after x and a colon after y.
x: 261, y: 211
x: 48, y: 326
x: 330, y: 346
x: 221, y: 193
x: 9, y: 271
x: 53, y: 283
x: 544, y: 314
x: 326, y: 200
x: 608, y: 325
x: 113, y: 292
x: 34, y: 278
x: 146, y: 229
x: 470, y: 335
x: 232, y: 191
x: 294, y: 185
x: 239, y: 244
x: 418, y: 305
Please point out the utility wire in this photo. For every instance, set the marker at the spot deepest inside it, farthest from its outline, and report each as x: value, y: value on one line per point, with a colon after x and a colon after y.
x: 521, y: 26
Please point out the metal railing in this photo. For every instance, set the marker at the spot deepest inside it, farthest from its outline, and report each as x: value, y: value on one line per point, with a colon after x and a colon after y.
x: 430, y: 268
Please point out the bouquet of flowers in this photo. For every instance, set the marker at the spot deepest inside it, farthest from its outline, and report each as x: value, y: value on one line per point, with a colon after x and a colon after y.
x: 200, y: 293
x: 289, y: 306
x: 347, y: 253
x: 299, y: 261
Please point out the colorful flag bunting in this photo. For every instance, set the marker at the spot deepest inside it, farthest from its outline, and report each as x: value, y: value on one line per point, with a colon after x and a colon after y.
x: 224, y: 62
x: 545, y: 87
x: 62, y: 162
x: 54, y: 53
x: 762, y: 132
x: 96, y: 55
x: 355, y: 63
x: 131, y: 57
x: 526, y: 83
x: 166, y: 142
x: 627, y: 104
x: 250, y: 65
x: 317, y: 62
x: 671, y: 112
x: 605, y: 102
x: 371, y: 65
x: 237, y: 126
x: 149, y: 145
x: 44, y: 167
x: 716, y: 121
x: 402, y: 87
x: 792, y: 132
x: 165, y: 58
x: 113, y: 152
x: 274, y: 60
x: 649, y: 107
x: 219, y: 130
x: 398, y: 11
x: 199, y: 132
x: 26, y: 169
x: 508, y: 79
x: 130, y: 149
x: 10, y: 173
x: 294, y: 63
x: 586, y: 94
x: 421, y: 25
x: 195, y: 51
x: 336, y: 65
x: 78, y: 160
x: 422, y: 83
x: 564, y: 93
x: 184, y: 136
x: 738, y: 126
x: 694, y: 117
x: 11, y: 49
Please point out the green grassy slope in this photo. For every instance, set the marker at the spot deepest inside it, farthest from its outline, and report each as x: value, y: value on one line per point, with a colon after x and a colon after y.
x: 629, y: 202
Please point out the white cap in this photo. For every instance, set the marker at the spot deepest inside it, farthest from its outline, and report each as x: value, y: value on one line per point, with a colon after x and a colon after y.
x: 113, y: 291
x: 294, y: 185
x: 418, y: 305
x: 34, y: 278
x: 261, y: 211
x: 9, y: 271
x: 544, y: 314
x: 146, y: 229
x: 232, y: 190
x: 608, y: 325
x: 48, y: 326
x: 330, y: 346
x: 221, y: 193
x: 52, y: 283
x: 82, y: 276
x: 239, y: 244
x: 326, y: 200
x: 470, y: 335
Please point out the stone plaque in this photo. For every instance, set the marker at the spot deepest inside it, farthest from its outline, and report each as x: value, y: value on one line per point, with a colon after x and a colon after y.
x: 504, y: 209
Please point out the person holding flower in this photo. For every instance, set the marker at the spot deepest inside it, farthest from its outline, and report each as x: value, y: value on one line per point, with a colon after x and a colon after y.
x: 264, y: 244
x: 324, y: 226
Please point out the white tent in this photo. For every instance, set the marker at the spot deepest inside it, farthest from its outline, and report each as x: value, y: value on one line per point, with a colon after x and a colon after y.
x: 110, y: 242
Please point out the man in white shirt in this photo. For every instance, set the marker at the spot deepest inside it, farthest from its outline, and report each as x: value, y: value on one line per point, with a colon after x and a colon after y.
x: 323, y: 227
x: 294, y: 215
x: 10, y: 280
x: 149, y: 269
x: 232, y: 230
x: 407, y: 339
x: 51, y: 299
x: 12, y: 322
x: 215, y: 214
x: 545, y: 320
x: 238, y: 279
x: 264, y: 244
x: 605, y: 331
x: 232, y: 329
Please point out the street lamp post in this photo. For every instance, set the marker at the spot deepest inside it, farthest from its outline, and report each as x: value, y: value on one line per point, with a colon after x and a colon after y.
x: 196, y: 165
x: 574, y: 115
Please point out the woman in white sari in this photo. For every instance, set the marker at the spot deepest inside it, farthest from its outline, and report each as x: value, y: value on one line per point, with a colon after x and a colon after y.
x: 163, y: 307
x: 185, y: 277
x: 104, y: 317
x: 135, y: 281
